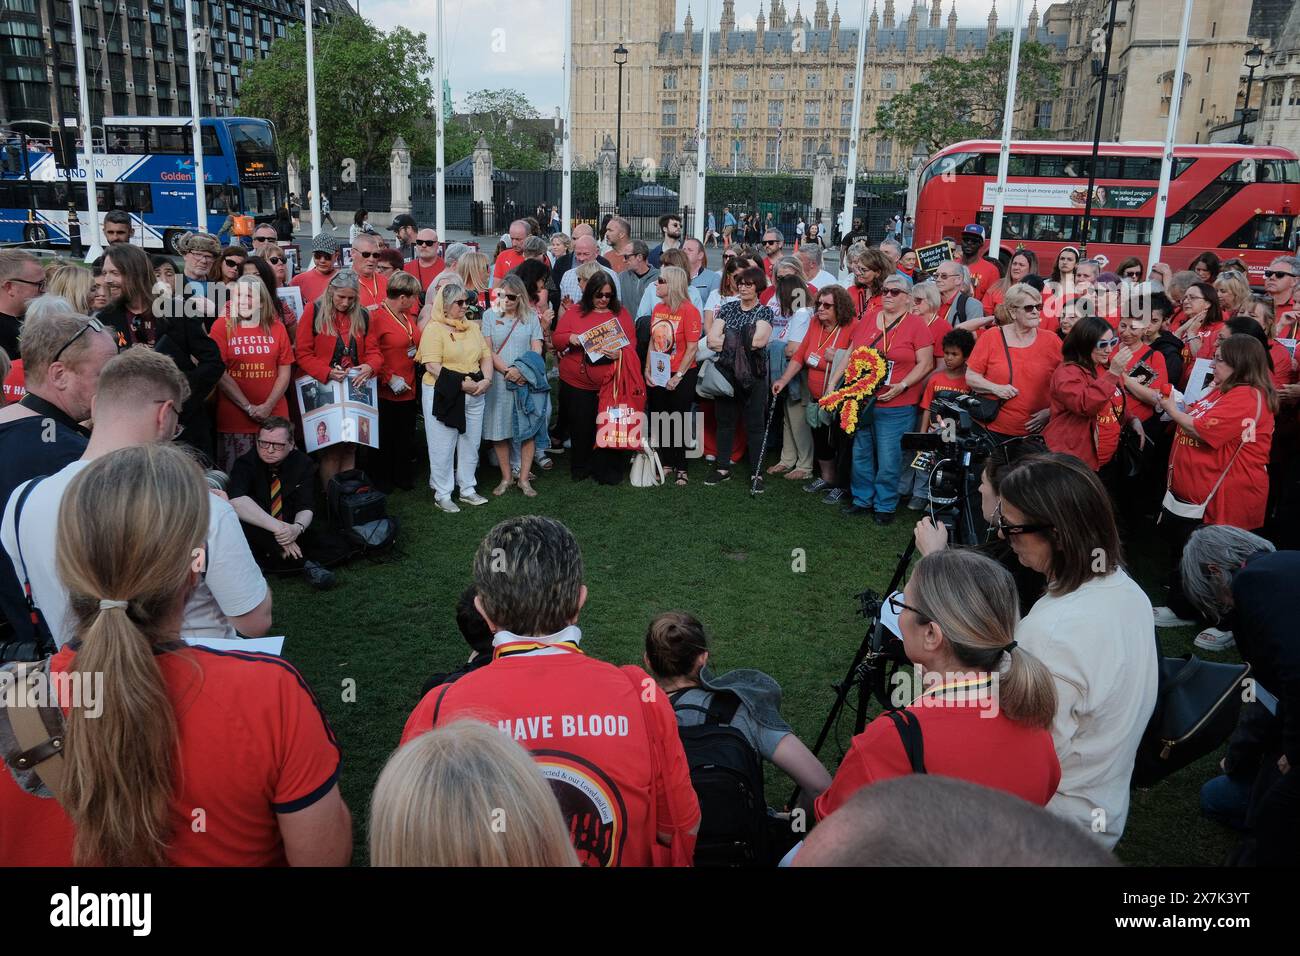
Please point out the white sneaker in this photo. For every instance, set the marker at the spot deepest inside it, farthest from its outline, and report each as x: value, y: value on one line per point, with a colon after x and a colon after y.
x: 1167, y: 618
x: 473, y: 498
x: 447, y: 505
x: 1214, y: 639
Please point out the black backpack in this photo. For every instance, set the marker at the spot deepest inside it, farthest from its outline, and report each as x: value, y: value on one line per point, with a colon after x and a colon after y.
x: 359, y: 511
x: 727, y: 775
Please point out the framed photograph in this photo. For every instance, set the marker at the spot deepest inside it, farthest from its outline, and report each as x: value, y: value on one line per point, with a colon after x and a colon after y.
x: 323, y: 429
x: 314, y: 395
x: 293, y: 295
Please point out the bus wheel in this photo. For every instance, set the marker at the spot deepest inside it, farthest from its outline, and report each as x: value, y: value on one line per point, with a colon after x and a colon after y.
x: 36, y: 236
x: 170, y: 238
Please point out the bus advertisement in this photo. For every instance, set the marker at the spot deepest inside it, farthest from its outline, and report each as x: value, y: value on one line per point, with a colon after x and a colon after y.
x: 1223, y: 198
x: 144, y: 166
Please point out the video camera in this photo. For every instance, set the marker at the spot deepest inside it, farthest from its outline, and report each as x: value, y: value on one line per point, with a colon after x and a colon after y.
x: 951, y: 459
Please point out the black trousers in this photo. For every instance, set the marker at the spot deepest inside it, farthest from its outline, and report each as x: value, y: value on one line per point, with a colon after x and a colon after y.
x: 270, y: 555
x: 673, y: 432
x: 1174, y: 532
x: 579, y: 407
x: 745, y: 410
x: 392, y: 463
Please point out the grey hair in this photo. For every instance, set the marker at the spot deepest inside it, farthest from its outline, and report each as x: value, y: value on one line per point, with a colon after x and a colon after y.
x: 454, y: 252
x: 639, y: 248
x: 964, y: 271
x: 1292, y: 261
x: 48, y: 304
x: 931, y: 292
x: 892, y: 243
x: 528, y: 572
x: 534, y: 246
x: 1179, y: 283
x: 1091, y: 263
x: 897, y: 279
x: 789, y: 262
x: 812, y: 253
x: 1224, y: 547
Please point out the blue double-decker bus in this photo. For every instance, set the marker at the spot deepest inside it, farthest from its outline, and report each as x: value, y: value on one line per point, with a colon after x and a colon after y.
x: 144, y: 166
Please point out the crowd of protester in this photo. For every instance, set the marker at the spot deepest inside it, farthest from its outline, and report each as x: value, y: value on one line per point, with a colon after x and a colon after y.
x: 151, y: 416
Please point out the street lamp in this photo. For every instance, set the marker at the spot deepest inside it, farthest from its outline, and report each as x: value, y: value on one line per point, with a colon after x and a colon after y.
x: 1254, y: 57
x: 620, y: 57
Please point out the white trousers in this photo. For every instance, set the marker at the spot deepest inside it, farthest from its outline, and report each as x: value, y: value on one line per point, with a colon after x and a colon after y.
x: 446, y: 445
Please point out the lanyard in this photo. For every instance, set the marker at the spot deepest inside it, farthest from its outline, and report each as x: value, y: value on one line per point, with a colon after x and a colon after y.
x: 48, y: 409
x: 410, y: 333
x: 885, y: 333
x: 374, y: 286
x: 835, y: 340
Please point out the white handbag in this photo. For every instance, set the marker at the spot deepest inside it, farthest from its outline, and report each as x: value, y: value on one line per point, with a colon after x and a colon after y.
x: 647, y: 470
x: 1190, y: 509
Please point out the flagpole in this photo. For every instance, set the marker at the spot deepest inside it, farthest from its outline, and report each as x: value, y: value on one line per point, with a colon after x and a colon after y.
x: 196, y: 132
x: 1171, y: 130
x: 313, y: 144
x: 94, y: 250
x: 566, y: 162
x: 855, y: 127
x: 702, y: 126
x: 440, y: 199
x: 1008, y: 119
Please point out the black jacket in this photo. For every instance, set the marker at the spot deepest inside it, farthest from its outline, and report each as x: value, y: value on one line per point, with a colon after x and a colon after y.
x: 1265, y: 634
x: 251, y: 478
x: 182, y: 339
x: 449, y: 399
x: 1171, y: 347
x: 10, y: 326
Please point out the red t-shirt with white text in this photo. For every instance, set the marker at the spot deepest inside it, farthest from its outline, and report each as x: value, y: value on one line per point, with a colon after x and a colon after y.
x: 253, y: 360
x: 1225, y: 421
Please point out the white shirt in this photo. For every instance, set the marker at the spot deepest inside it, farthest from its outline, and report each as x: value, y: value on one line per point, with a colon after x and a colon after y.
x: 232, y: 585
x: 572, y: 634
x: 1099, y: 644
x: 569, y: 284
x: 795, y: 329
x: 822, y: 279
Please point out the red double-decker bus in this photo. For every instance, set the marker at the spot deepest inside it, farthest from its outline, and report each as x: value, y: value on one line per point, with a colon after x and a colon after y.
x: 1223, y: 198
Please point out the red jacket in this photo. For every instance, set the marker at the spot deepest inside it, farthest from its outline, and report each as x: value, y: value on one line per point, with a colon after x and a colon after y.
x: 1077, y: 398
x: 316, y: 352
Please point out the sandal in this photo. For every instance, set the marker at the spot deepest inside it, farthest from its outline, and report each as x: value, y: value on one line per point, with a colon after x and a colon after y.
x: 546, y: 464
x: 682, y: 478
x: 798, y: 474
x: 528, y: 490
x: 502, y: 488
x: 778, y: 469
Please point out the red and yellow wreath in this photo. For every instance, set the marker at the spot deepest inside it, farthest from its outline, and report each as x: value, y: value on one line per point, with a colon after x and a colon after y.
x: 864, y: 373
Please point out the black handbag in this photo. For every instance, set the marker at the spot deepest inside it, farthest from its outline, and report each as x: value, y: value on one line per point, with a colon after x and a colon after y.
x: 1197, y: 705
x: 990, y: 405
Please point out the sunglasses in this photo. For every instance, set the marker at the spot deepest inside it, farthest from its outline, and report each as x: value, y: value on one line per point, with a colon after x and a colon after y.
x: 95, y: 324
x: 265, y: 445
x: 1133, y: 274
x: 1031, y: 307
x: 323, y: 255
x: 1109, y: 343
x: 233, y: 263
x: 509, y: 296
x: 602, y: 295
x: 774, y: 242
x: 456, y: 302
x: 275, y: 260
x: 1007, y: 530
x: 1274, y: 274
x: 263, y: 238
x: 365, y: 255
x: 426, y: 242
x: 890, y: 293
x: 661, y: 281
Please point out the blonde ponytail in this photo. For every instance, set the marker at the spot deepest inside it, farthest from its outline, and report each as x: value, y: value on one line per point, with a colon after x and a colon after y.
x: 131, y: 528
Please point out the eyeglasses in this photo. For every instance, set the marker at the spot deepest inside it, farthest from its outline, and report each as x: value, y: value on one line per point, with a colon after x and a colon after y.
x: 898, y: 607
x: 509, y: 296
x: 364, y: 255
x: 426, y: 242
x: 1007, y: 530
x: 1275, y: 274
x: 40, y: 286
x: 1193, y: 298
x: 265, y: 445
x: 95, y: 324
x: 176, y: 432
x: 460, y: 302
x: 890, y: 293
x: 945, y: 275
x: 1109, y: 343
x: 201, y: 255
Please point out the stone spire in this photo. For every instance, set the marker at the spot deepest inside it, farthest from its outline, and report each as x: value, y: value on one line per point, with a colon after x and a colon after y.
x: 835, y: 27
x: 993, y: 22
x: 798, y: 15
x: 912, y: 23
x: 726, y: 24
x: 951, y: 47
x: 821, y: 17
x: 777, y: 20
x: 889, y: 14
x: 936, y: 14
x: 760, y: 25
x: 687, y: 33
x: 1033, y: 22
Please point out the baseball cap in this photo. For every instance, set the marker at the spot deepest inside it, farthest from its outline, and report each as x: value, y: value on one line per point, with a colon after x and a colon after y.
x: 975, y: 229
x: 402, y: 220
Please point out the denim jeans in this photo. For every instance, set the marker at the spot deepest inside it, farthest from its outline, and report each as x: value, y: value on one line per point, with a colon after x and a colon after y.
x: 1226, y: 799
x: 878, y: 457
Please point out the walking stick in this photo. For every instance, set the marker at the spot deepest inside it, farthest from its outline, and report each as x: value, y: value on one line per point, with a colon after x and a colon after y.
x: 767, y: 430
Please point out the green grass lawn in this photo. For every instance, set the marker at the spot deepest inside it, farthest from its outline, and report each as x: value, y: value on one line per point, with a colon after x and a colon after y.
x: 714, y: 552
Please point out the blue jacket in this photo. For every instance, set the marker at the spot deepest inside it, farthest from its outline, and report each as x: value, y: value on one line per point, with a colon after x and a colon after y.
x: 530, y: 409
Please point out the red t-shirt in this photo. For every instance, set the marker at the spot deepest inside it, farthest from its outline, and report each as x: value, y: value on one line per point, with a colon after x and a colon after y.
x: 960, y: 740
x: 898, y: 343
x: 253, y: 359
x: 864, y: 303
x: 575, y: 370
x: 1204, y: 343
x: 15, y: 384
x: 1156, y: 362
x: 426, y: 274
x: 1287, y: 325
x: 507, y: 260
x: 673, y: 332
x: 1284, y: 370
x: 597, y: 737
x: 992, y: 298
x: 1030, y: 372
x: 983, y: 276
x: 396, y: 336
x: 373, y: 290
x: 938, y: 327
x: 312, y: 284
x: 943, y: 381
x: 1223, y: 423
x: 822, y: 343
x: 252, y: 742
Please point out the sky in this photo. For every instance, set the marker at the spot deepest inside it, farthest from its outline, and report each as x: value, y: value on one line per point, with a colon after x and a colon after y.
x: 518, y: 44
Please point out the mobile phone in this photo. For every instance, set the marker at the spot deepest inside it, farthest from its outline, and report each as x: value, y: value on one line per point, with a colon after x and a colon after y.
x: 1144, y: 373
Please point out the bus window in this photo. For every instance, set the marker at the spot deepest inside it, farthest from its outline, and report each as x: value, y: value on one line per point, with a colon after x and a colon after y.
x: 139, y: 197
x: 211, y: 144
x: 171, y: 140
x: 1263, y: 232
x: 126, y: 139
x: 260, y: 200
x: 1056, y: 166
x: 969, y: 164
x: 1140, y: 167
x: 1052, y: 228
x: 1277, y: 171
x: 1017, y: 165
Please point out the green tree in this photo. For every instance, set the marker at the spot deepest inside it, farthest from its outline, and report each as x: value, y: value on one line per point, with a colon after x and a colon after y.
x: 958, y: 100
x: 371, y: 86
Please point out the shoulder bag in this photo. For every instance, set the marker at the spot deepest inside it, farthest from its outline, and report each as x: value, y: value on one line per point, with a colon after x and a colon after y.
x: 990, y: 405
x: 647, y: 469
x: 1190, y: 509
